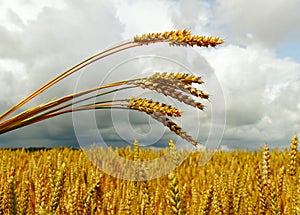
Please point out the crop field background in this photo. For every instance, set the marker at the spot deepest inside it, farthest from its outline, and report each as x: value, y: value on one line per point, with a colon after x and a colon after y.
x: 64, y: 181
x: 226, y: 73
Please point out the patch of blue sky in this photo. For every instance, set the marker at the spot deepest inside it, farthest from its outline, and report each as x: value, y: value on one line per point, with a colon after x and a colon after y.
x: 291, y: 50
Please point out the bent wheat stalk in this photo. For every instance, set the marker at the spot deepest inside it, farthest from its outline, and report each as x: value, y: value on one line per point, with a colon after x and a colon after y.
x: 178, y: 86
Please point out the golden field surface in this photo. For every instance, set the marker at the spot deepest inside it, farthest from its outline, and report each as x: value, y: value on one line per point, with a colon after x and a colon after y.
x: 64, y: 181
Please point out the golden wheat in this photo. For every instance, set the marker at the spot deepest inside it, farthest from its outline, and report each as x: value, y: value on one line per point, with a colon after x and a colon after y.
x: 174, y: 199
x: 229, y: 181
x: 293, y: 156
x: 179, y: 38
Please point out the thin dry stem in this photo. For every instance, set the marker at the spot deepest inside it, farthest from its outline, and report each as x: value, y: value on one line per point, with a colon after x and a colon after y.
x: 174, y: 85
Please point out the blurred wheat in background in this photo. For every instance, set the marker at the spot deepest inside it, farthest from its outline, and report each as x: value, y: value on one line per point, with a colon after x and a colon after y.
x: 64, y: 181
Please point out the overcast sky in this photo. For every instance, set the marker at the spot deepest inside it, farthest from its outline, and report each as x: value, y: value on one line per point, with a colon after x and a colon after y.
x: 258, y: 67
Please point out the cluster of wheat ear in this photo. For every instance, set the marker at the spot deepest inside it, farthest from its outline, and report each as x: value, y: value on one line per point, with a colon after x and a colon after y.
x: 64, y: 181
x: 179, y: 86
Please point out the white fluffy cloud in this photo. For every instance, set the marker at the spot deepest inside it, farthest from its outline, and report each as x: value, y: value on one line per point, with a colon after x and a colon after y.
x: 191, y: 14
x: 15, y: 14
x: 261, y: 93
x: 143, y: 16
x: 269, y: 22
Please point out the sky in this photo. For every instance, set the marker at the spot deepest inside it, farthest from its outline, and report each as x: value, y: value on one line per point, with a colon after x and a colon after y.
x: 255, y: 74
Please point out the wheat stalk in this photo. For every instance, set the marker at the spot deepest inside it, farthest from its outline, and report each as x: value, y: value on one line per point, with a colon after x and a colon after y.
x: 179, y: 37
x: 174, y: 85
x: 155, y: 109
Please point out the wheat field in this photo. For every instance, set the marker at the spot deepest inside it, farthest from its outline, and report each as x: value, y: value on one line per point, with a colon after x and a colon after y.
x: 64, y: 181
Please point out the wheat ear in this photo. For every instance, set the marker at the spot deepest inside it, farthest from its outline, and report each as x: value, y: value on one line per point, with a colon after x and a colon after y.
x: 293, y: 156
x: 179, y: 37
x: 174, y: 198
x: 57, y: 193
x: 208, y: 199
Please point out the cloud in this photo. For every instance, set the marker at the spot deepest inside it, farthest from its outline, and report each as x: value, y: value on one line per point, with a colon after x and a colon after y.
x: 140, y: 17
x: 261, y: 93
x: 14, y: 14
x: 12, y: 79
x: 44, y: 47
x: 261, y: 90
x: 268, y: 23
x: 194, y: 15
